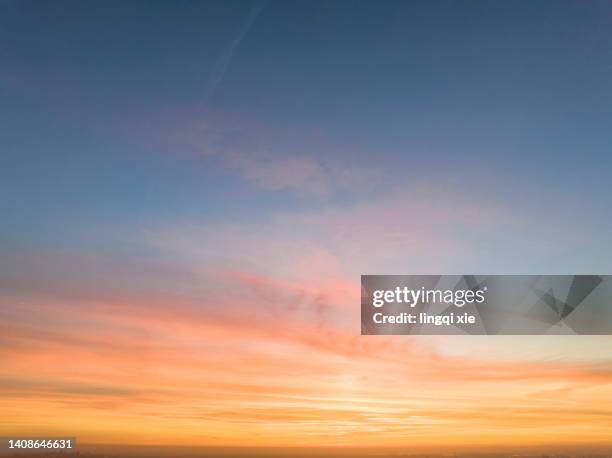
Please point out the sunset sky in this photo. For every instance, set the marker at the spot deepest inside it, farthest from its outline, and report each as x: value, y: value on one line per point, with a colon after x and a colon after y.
x: 190, y: 191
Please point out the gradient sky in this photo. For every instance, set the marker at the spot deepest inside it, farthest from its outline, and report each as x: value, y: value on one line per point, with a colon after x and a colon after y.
x: 190, y: 191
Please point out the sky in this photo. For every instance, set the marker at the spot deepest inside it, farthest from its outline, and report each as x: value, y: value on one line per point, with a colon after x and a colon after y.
x: 190, y: 191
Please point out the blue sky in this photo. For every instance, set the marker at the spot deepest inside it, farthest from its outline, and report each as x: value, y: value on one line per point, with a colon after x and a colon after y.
x: 98, y: 99
x: 135, y: 114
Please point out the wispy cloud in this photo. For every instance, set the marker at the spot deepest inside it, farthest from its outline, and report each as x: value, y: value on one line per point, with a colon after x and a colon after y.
x: 222, y: 63
x: 306, y: 164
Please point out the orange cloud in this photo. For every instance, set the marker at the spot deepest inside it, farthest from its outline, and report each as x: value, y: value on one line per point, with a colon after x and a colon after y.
x: 249, y: 335
x: 175, y: 367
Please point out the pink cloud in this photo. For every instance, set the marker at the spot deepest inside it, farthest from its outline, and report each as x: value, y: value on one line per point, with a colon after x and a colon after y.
x: 273, y: 159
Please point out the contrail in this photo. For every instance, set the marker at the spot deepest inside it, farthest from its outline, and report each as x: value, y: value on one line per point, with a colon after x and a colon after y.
x: 220, y: 67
